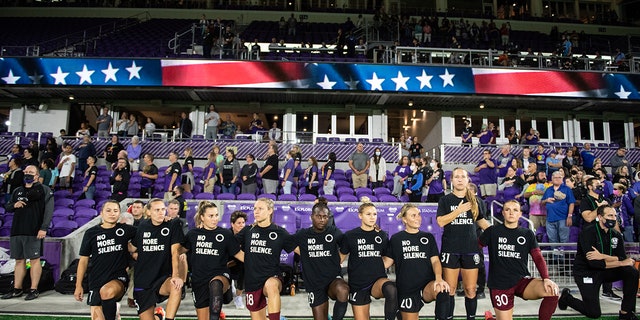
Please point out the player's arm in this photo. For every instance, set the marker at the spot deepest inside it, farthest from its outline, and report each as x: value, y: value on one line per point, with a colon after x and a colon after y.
x: 444, y: 220
x: 82, y: 270
x: 174, y: 177
x: 483, y: 224
x: 182, y: 249
x: 297, y: 250
x: 439, y: 284
x: 240, y: 255
x: 388, y: 262
x: 176, y: 278
x: 133, y: 251
x: 343, y: 257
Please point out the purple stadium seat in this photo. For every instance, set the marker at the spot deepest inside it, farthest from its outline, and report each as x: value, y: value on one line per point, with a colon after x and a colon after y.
x: 347, y: 198
x: 86, y: 212
x: 85, y: 203
x: 372, y: 198
x: 81, y: 221
x: 387, y: 198
x: 380, y: 191
x: 267, y: 195
x: 226, y: 196
x: 321, y: 140
x: 404, y: 198
x: 330, y: 197
x: 187, y: 195
x: 287, y: 197
x: 62, y: 194
x: 63, y: 212
x: 347, y: 221
x: 63, y: 228
x: 363, y: 191
x: 307, y: 197
x: 64, y: 203
x: 5, y: 231
x: 205, y: 196
x: 246, y: 196
x: 344, y: 190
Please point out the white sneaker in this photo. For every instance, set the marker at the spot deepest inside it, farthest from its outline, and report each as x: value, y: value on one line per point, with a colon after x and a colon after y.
x: 238, y: 302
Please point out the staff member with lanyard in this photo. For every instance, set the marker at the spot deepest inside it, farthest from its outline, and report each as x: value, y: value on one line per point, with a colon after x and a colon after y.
x: 601, y: 258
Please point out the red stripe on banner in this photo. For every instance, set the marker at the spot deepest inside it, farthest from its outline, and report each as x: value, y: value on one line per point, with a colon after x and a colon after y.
x: 231, y: 73
x: 543, y: 82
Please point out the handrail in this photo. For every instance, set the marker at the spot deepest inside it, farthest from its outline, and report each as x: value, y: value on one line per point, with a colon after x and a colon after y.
x: 174, y: 43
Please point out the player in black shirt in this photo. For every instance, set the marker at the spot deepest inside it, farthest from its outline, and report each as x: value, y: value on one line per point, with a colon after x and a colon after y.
x: 159, y: 273
x: 367, y: 249
x: 509, y: 249
x: 209, y: 249
x: 600, y: 258
x: 459, y: 213
x: 262, y: 243
x: 418, y: 269
x: 320, y: 258
x: 106, y: 247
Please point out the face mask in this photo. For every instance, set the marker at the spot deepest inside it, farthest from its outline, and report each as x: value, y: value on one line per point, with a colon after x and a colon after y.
x: 29, y: 178
x: 377, y: 153
x: 616, y: 193
x: 433, y: 165
x: 610, y: 223
x: 599, y: 190
x: 412, y: 167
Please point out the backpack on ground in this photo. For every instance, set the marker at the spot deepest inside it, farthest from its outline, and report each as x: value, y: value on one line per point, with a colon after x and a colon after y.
x: 67, y: 282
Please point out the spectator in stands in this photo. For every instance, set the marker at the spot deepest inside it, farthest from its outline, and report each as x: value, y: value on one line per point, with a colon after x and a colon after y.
x: 282, y: 26
x: 229, y: 172
x: 619, y: 57
x: 248, y: 174
x: 85, y: 149
x: 269, y: 172
x: 28, y: 159
x: 622, y: 202
x: 400, y: 174
x: 122, y: 124
x: 619, y: 160
x: 504, y: 161
x: 534, y: 193
x: 312, y: 176
x: 172, y: 173
x: 59, y: 139
x: 186, y: 126
x: 467, y: 132
x: 104, y: 123
x: 552, y: 163
x: 378, y: 169
x: 177, y: 208
x: 437, y: 183
x: 212, y: 121
x: 559, y: 201
x: 588, y: 157
x: 486, y: 170
x: 13, y: 178
x: 359, y: 164
x: 291, y: 25
x: 424, y: 165
x: 495, y: 132
x: 50, y: 150
x: 327, y: 172
x: 67, y: 167
x: 604, y: 180
x: 532, y: 137
x: 134, y: 150
x: 229, y: 128
x: 207, y: 42
x: 485, y: 136
x: 187, y: 178
x: 255, y: 50
x: 111, y: 151
x: 511, y: 185
x: 415, y: 149
x: 541, y: 158
x: 210, y: 175
x: 149, y: 127
x: 275, y: 133
x: 622, y: 175
x: 600, y: 258
x: 148, y: 175
x: 46, y: 176
x: 90, y: 175
x: 273, y: 44
x: 228, y: 40
x: 120, y: 181
x: 16, y: 152
x: 413, y: 184
x: 291, y: 161
x: 513, y: 136
x: 83, y: 131
x: 504, y: 34
x: 256, y: 124
x: 569, y: 161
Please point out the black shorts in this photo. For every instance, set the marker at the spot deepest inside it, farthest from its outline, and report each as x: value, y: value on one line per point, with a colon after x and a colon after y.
x: 148, y: 298
x: 361, y: 297
x: 411, y: 302
x: 460, y: 260
x: 94, y: 293
x: 201, y: 293
x: 320, y: 296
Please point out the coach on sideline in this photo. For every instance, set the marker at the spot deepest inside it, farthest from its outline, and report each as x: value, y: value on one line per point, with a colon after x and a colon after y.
x: 32, y: 205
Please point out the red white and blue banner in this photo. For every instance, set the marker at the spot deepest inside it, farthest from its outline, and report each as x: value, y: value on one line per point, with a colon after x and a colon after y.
x: 317, y: 76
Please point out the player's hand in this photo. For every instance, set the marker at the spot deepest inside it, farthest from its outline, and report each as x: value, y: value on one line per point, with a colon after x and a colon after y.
x: 441, y: 286
x: 177, y: 282
x: 464, y: 206
x: 629, y: 262
x: 78, y: 293
x: 551, y: 287
x: 594, y: 255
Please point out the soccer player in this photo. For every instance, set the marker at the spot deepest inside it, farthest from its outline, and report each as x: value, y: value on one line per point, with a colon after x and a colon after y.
x: 320, y: 258
x: 366, y: 246
x: 418, y: 269
x: 509, y: 246
x: 106, y: 247
x: 459, y: 213
x: 159, y: 273
x: 209, y: 248
x: 262, y: 243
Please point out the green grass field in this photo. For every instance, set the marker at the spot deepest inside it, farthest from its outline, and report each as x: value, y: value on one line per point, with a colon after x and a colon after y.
x: 40, y: 317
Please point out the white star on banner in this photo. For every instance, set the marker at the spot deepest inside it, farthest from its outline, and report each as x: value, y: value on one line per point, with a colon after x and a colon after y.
x: 10, y: 79
x: 326, y: 84
x: 622, y: 94
x: 134, y: 71
x: 401, y: 82
x: 352, y: 84
x: 85, y: 75
x: 60, y: 76
x: 110, y: 73
x: 425, y: 80
x: 35, y: 78
x: 447, y: 78
x: 375, y: 82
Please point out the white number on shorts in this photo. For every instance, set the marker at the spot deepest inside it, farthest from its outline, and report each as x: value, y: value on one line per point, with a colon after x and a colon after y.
x: 406, y: 303
x: 352, y: 296
x: 501, y: 300
x: 250, y: 299
x: 311, y: 297
x: 445, y: 257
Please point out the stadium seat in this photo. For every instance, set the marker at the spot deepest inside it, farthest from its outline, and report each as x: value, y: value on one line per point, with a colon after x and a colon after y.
x: 86, y: 203
x: 268, y: 196
x: 205, y: 196
x: 226, y: 196
x: 347, y: 198
x: 387, y: 198
x: 246, y: 196
x: 63, y: 228
x: 287, y: 197
x: 307, y: 197
x: 63, y: 212
x: 64, y: 203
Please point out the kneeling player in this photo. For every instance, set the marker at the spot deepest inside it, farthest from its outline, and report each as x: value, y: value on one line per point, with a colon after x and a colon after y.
x: 418, y: 269
x: 209, y: 248
x: 106, y: 247
x: 509, y: 246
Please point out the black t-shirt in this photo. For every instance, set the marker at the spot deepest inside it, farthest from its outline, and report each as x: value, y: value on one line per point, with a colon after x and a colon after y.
x: 173, y: 169
x: 112, y: 151
x: 330, y: 166
x: 262, y: 248
x: 250, y: 171
x: 459, y: 236
x: 93, y: 171
x: 227, y: 170
x: 151, y: 170
x: 508, y: 254
x: 412, y: 254
x: 319, y: 255
x: 414, y: 149
x: 209, y: 252
x: 273, y: 162
x: 610, y: 243
x: 589, y: 203
x: 30, y: 219
x: 365, y: 249
x: 154, y: 250
x: 187, y: 161
x: 182, y: 207
x: 108, y: 252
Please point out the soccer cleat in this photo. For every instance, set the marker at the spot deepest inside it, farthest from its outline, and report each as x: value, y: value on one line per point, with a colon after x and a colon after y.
x: 15, y: 293
x: 480, y: 295
x: 611, y: 296
x: 238, y: 302
x: 131, y: 303
x: 627, y: 316
x: 159, y: 312
x: 562, y: 301
x: 222, y: 315
x: 33, y: 294
x: 488, y: 315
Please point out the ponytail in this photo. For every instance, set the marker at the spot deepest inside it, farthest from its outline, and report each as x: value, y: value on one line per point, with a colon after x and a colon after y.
x: 471, y: 198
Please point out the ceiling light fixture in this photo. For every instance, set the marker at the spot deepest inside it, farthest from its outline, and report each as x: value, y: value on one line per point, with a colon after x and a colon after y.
x: 410, y: 103
x: 482, y: 105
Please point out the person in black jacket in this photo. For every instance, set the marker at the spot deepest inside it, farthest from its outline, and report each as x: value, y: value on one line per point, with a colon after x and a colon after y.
x: 600, y: 258
x: 120, y: 180
x: 186, y: 126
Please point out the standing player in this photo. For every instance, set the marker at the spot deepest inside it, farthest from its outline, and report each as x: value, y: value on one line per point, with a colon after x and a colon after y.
x: 366, y: 246
x: 509, y: 247
x: 262, y: 243
x: 106, y: 247
x: 458, y: 214
x: 159, y: 273
x: 209, y: 249
x: 320, y: 258
x: 418, y: 269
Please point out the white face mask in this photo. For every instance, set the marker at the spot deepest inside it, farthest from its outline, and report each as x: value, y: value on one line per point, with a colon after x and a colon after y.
x: 412, y: 167
x: 433, y: 165
x: 377, y: 153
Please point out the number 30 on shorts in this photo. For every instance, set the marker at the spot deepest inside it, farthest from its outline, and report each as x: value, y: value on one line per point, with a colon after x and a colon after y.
x: 501, y: 300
